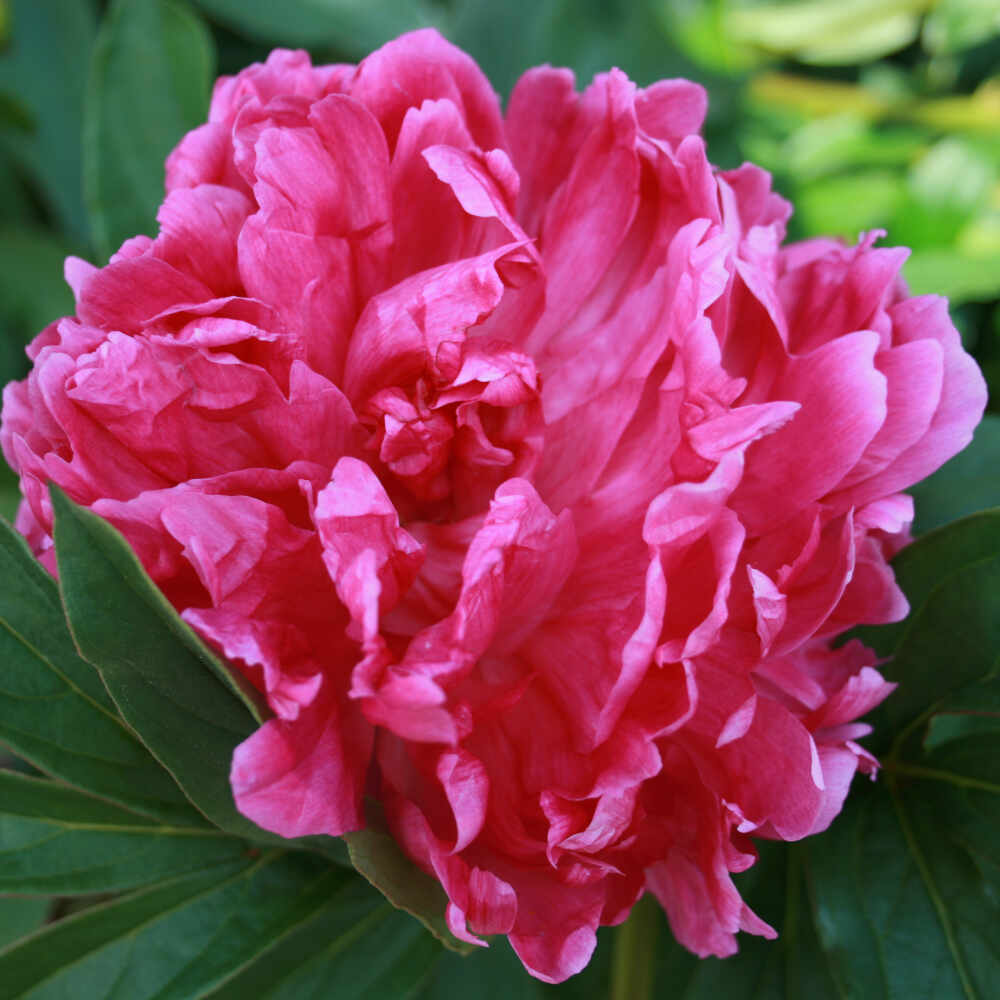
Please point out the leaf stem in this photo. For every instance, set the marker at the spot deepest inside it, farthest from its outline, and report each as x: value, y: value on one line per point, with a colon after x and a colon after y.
x: 634, y: 959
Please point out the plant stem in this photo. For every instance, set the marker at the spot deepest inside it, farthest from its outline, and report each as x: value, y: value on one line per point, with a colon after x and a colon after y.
x: 635, y: 952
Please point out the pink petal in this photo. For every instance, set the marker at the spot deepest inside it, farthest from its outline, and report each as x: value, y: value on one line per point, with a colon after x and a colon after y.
x: 303, y: 778
x: 842, y: 397
x: 671, y: 109
x: 422, y: 66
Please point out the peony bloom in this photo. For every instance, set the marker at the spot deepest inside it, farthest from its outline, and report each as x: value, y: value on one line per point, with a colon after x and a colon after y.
x: 519, y: 465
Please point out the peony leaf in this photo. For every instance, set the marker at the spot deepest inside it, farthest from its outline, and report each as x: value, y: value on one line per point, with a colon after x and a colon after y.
x: 922, y: 566
x: 907, y: 883
x: 55, y: 712
x: 10, y: 494
x: 377, y: 856
x: 168, y: 686
x: 56, y: 840
x: 183, y: 712
x: 791, y: 967
x: 354, y: 27
x: 496, y: 973
x: 953, y: 640
x: 355, y: 953
x: 122, y: 557
x: 190, y: 936
x: 969, y: 482
x: 149, y: 84
x: 20, y: 915
x: 907, y: 890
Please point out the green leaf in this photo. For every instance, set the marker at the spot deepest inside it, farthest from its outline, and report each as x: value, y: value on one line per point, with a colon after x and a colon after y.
x: 54, y: 711
x: 791, y: 967
x: 700, y: 30
x: 961, y: 276
x: 832, y: 143
x: 816, y: 31
x: 187, y: 937
x: 969, y: 482
x: 189, y: 709
x: 166, y: 684
x: 906, y: 906
x: 925, y: 564
x: 845, y: 206
x: 56, y: 840
x: 149, y: 84
x: 975, y: 711
x: 588, y: 36
x: 45, y: 64
x: 20, y: 915
x: 365, y: 949
x: 354, y: 27
x: 377, y: 856
x: 972, y: 113
x: 10, y: 493
x: 16, y: 208
x: 946, y: 190
x: 953, y: 25
x: 32, y: 288
x: 811, y: 97
x: 951, y: 578
x: 493, y: 973
x: 907, y: 882
x: 152, y: 610
x: 961, y: 614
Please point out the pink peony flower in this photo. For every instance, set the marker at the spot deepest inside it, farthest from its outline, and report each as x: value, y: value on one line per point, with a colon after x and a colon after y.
x: 519, y: 465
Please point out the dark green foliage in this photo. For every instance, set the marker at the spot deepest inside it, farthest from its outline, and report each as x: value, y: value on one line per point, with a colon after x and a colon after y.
x: 149, y: 83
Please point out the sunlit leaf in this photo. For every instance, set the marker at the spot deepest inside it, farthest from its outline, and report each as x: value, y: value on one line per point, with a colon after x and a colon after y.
x: 848, y: 205
x: 820, y: 32
x: 978, y: 112
x: 961, y: 277
x: 953, y: 25
x: 809, y: 96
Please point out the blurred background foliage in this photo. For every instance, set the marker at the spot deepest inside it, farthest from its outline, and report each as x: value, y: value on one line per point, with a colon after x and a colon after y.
x: 869, y: 113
